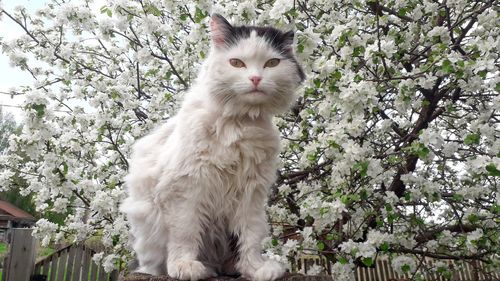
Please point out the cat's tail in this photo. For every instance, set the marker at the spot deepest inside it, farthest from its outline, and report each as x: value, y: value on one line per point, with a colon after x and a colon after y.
x: 136, y: 210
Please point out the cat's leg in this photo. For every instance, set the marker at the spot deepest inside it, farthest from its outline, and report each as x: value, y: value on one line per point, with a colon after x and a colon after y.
x: 251, y: 226
x: 184, y: 245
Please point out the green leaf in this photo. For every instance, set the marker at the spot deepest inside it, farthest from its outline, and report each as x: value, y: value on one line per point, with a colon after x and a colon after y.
x: 407, y: 196
x: 343, y: 260
x: 495, y: 209
x: 402, y: 12
x: 152, y: 9
x: 115, y: 95
x: 317, y: 83
x: 472, y: 139
x: 368, y: 261
x: 419, y: 149
x: 388, y: 207
x: 320, y: 245
x: 447, y: 66
x: 492, y: 170
x: 363, y: 194
x: 473, y: 218
x: 384, y: 247
x: 40, y: 109
x: 293, y: 13
x: 300, y: 48
x: 358, y: 51
x: 333, y: 144
x: 336, y: 75
x: 405, y: 268
x: 482, y: 74
x: 391, y: 217
x: 426, y: 103
x: 458, y: 197
x: 65, y: 168
x: 444, y: 272
x: 311, y: 157
x: 274, y: 242
x: 199, y: 15
x: 362, y: 167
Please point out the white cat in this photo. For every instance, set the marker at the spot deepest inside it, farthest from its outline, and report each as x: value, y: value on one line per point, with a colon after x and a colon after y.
x: 198, y: 185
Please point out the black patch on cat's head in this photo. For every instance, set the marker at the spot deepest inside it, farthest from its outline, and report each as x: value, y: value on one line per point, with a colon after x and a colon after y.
x: 225, y: 35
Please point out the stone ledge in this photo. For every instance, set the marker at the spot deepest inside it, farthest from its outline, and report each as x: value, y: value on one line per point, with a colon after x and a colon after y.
x: 288, y: 277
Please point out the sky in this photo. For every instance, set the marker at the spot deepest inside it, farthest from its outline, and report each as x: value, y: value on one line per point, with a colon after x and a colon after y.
x: 10, y: 76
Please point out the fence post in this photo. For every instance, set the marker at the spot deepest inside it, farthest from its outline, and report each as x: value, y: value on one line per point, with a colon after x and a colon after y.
x: 21, y: 257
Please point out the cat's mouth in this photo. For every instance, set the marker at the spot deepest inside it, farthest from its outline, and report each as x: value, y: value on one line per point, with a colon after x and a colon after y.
x: 256, y: 93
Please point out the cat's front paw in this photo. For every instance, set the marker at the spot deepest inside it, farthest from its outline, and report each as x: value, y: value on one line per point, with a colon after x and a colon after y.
x: 270, y: 270
x: 189, y: 270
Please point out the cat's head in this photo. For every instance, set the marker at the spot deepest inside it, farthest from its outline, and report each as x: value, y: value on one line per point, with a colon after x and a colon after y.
x: 252, y: 68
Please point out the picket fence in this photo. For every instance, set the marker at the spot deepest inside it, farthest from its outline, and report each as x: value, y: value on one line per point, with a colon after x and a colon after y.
x: 73, y: 263
x: 383, y: 271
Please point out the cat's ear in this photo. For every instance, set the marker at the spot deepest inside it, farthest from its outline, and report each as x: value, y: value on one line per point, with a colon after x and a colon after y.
x: 220, y: 29
x: 288, y: 41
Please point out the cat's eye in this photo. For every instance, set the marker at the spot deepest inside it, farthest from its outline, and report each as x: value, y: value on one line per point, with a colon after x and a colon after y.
x: 272, y: 63
x: 237, y: 63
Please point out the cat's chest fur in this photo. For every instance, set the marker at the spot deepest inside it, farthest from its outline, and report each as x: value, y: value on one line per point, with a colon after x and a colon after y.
x: 240, y: 145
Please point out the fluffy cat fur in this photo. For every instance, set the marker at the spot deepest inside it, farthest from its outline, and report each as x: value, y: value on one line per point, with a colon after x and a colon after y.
x: 198, y: 185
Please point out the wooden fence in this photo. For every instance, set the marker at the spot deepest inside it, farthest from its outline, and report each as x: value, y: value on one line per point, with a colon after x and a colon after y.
x: 383, y: 271
x: 18, y: 265
x: 73, y: 263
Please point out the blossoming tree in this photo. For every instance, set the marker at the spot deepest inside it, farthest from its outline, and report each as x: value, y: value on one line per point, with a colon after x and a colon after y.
x: 392, y: 148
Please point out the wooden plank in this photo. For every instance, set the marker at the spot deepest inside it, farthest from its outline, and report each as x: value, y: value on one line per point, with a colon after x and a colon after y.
x: 77, y: 263
x: 53, y: 268
x: 46, y: 266
x: 21, y: 260
x: 379, y: 273
x: 38, y: 268
x: 86, y: 264
x: 114, y: 275
x: 93, y: 273
x: 4, y: 272
x: 63, y: 260
x: 299, y: 265
x: 69, y: 265
x: 387, y: 269
x: 102, y: 274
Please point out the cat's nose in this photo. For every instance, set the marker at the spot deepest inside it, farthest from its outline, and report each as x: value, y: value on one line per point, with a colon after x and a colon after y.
x: 255, y: 80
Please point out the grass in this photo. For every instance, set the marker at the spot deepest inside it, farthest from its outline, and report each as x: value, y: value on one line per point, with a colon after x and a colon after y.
x: 43, y: 252
x: 3, y: 252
